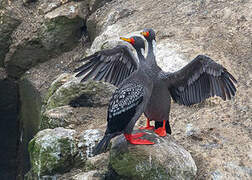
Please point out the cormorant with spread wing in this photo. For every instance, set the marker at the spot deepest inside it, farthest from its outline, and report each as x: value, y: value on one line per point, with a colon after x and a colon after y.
x: 120, y: 67
x: 200, y: 79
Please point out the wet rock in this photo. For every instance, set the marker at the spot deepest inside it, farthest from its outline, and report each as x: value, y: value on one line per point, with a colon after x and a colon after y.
x: 74, y: 93
x: 89, y: 139
x: 8, y: 23
x: 53, y: 151
x: 163, y: 160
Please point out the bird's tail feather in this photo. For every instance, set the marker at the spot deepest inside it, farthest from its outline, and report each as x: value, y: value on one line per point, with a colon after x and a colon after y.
x: 103, y: 144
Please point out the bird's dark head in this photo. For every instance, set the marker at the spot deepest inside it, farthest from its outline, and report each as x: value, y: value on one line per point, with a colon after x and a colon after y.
x: 136, y: 41
x: 149, y: 34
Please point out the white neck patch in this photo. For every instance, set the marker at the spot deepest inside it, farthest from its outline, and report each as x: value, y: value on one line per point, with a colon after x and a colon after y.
x: 154, y: 44
x: 142, y: 51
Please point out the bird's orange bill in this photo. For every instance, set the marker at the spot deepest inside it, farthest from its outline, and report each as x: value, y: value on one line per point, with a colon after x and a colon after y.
x: 126, y: 39
x: 145, y: 34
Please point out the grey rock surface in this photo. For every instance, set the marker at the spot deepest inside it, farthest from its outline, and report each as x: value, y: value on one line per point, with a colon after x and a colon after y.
x: 73, y: 92
x: 91, y: 175
x: 54, y: 31
x: 163, y: 160
x: 8, y: 23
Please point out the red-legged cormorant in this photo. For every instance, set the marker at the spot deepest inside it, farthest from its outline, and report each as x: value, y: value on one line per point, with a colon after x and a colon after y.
x: 119, y: 66
x: 200, y: 79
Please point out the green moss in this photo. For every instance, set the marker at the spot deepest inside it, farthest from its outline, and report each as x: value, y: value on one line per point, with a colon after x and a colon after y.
x: 138, y: 167
x: 52, y: 154
x: 61, y: 34
x: 91, y: 94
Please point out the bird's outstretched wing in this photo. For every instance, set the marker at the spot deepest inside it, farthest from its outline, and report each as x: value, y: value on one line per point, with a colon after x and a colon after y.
x: 123, y: 106
x: 200, y: 79
x: 111, y: 65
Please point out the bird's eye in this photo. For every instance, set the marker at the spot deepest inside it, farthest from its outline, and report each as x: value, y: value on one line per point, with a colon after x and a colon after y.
x: 132, y: 41
x: 147, y: 34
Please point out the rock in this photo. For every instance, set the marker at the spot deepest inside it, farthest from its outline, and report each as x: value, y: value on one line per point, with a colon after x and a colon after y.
x: 96, y: 4
x: 70, y: 10
x: 59, y: 31
x: 169, y: 56
x: 24, y: 55
x: 31, y: 176
x: 109, y: 39
x: 8, y: 23
x: 29, y: 118
x: 73, y: 92
x: 3, y: 74
x: 59, y: 81
x: 91, y: 175
x: 58, y: 117
x: 163, y: 160
x: 104, y: 18
x: 53, y: 151
x: 89, y: 139
x: 28, y: 1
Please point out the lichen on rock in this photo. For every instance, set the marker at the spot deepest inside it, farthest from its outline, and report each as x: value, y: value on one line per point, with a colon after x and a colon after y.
x: 53, y: 151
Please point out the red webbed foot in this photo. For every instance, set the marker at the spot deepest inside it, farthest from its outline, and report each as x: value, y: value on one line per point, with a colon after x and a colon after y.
x: 134, y: 140
x: 138, y: 135
x: 148, y: 126
x: 161, y: 131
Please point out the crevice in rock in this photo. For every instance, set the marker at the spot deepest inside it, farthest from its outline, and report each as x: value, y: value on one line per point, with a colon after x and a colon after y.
x: 9, y: 128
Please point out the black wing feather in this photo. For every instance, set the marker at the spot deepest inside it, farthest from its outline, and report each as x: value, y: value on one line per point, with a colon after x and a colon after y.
x: 117, y: 61
x: 200, y: 79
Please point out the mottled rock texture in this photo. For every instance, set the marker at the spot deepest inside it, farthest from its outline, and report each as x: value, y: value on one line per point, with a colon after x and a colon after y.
x: 163, y: 160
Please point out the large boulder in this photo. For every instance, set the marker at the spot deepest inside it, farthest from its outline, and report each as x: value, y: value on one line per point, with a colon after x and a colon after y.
x: 90, y: 93
x: 62, y: 27
x: 163, y: 160
x: 56, y: 151
x: 56, y: 31
x: 53, y: 151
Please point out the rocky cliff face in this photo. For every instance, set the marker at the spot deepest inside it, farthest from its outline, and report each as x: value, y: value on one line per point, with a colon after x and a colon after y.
x: 41, y: 40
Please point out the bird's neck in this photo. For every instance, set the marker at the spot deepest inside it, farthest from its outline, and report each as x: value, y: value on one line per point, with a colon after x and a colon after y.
x: 140, y: 54
x: 151, y: 52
